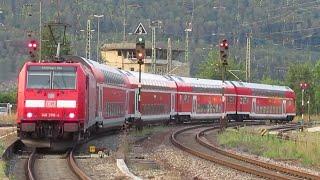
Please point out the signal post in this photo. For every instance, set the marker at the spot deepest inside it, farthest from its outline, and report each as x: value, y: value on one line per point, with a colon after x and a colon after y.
x: 304, y: 86
x: 140, y: 54
x: 33, y: 45
x: 223, y: 46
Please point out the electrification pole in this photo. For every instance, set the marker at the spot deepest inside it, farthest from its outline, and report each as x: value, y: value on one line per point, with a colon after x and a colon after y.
x: 89, y: 37
x: 248, y: 58
x: 153, y: 48
x: 124, y: 19
x: 169, y: 56
x: 98, y: 43
x: 40, y: 30
x: 187, y: 30
x: 154, y: 25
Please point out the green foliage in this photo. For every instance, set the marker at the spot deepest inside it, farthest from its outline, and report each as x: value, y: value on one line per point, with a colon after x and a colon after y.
x: 211, y: 68
x: 8, y: 97
x: 52, y: 35
x: 303, y: 72
x: 271, y: 147
x: 269, y: 80
x: 235, y: 21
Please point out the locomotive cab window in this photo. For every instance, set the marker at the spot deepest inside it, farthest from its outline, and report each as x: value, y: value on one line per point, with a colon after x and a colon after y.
x: 64, y: 80
x: 51, y: 77
x: 39, y: 80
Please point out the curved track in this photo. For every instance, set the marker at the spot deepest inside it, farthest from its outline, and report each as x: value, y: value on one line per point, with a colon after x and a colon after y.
x: 55, y: 166
x: 192, y: 140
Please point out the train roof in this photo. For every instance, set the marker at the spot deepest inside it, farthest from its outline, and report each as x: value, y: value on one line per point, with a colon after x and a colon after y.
x: 147, y: 79
x: 201, y: 82
x: 261, y: 86
x: 98, y: 65
x: 102, y: 72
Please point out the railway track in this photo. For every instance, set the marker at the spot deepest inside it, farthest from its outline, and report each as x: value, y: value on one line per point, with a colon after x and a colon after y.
x: 62, y: 166
x: 193, y: 140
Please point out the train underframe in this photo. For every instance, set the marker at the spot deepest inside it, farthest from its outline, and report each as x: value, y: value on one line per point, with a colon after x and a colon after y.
x: 50, y: 134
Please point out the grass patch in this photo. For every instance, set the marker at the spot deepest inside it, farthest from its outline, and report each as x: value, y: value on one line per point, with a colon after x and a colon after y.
x: 147, y: 130
x: 8, y: 119
x: 271, y: 147
x: 314, y: 117
x: 3, y: 166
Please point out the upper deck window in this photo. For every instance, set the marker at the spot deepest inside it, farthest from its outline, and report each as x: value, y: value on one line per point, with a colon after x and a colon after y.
x: 51, y: 77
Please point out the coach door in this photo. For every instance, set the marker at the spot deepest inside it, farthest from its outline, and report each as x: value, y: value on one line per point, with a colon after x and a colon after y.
x: 173, y: 102
x: 100, y: 95
x: 284, y: 103
x: 136, y: 102
x: 254, y: 103
x: 126, y: 104
x: 194, y: 104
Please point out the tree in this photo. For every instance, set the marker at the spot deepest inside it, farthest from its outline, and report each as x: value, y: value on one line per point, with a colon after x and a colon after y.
x: 53, y: 34
x: 211, y: 67
x: 316, y: 84
x: 298, y: 73
x: 269, y: 80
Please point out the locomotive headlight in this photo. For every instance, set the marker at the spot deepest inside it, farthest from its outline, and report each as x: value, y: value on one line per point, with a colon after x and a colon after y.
x: 71, y: 115
x: 29, y: 115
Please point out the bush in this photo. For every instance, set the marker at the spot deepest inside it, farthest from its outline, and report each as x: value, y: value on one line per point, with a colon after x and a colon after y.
x: 8, y: 97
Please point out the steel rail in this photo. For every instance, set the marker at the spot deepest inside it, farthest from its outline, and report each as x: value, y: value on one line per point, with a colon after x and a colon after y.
x: 204, y: 141
x: 220, y: 160
x: 30, y: 166
x: 75, y: 168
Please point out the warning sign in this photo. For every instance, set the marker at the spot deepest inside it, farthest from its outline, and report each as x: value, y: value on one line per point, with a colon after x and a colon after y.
x: 140, y: 29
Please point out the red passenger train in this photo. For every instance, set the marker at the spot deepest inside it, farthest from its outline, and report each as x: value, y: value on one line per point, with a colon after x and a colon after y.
x: 70, y: 99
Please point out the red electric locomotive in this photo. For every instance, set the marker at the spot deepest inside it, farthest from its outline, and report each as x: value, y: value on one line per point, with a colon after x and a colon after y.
x: 66, y: 100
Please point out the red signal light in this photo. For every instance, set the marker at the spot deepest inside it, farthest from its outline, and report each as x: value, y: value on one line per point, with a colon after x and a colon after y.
x: 32, y: 44
x: 304, y: 85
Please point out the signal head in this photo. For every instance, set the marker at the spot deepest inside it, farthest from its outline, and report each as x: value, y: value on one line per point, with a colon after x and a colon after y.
x: 33, y: 44
x: 224, y: 44
x: 140, y: 40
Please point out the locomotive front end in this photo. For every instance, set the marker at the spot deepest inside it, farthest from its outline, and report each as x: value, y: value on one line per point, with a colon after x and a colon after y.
x: 48, y: 102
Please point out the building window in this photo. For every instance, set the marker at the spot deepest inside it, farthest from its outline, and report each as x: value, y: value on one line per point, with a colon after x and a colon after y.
x: 131, y: 69
x: 119, y: 53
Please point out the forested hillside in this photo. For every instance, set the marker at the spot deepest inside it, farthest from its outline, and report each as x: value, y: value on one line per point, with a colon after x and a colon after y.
x: 283, y: 31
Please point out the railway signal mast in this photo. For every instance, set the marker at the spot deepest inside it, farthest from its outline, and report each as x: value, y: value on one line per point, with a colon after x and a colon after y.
x: 32, y: 45
x: 304, y: 86
x: 140, y: 54
x: 224, y: 46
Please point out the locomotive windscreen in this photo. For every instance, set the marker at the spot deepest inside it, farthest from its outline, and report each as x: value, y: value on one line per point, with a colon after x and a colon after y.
x: 51, y: 77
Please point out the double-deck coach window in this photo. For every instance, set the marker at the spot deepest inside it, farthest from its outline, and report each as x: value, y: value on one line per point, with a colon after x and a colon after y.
x: 51, y: 77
